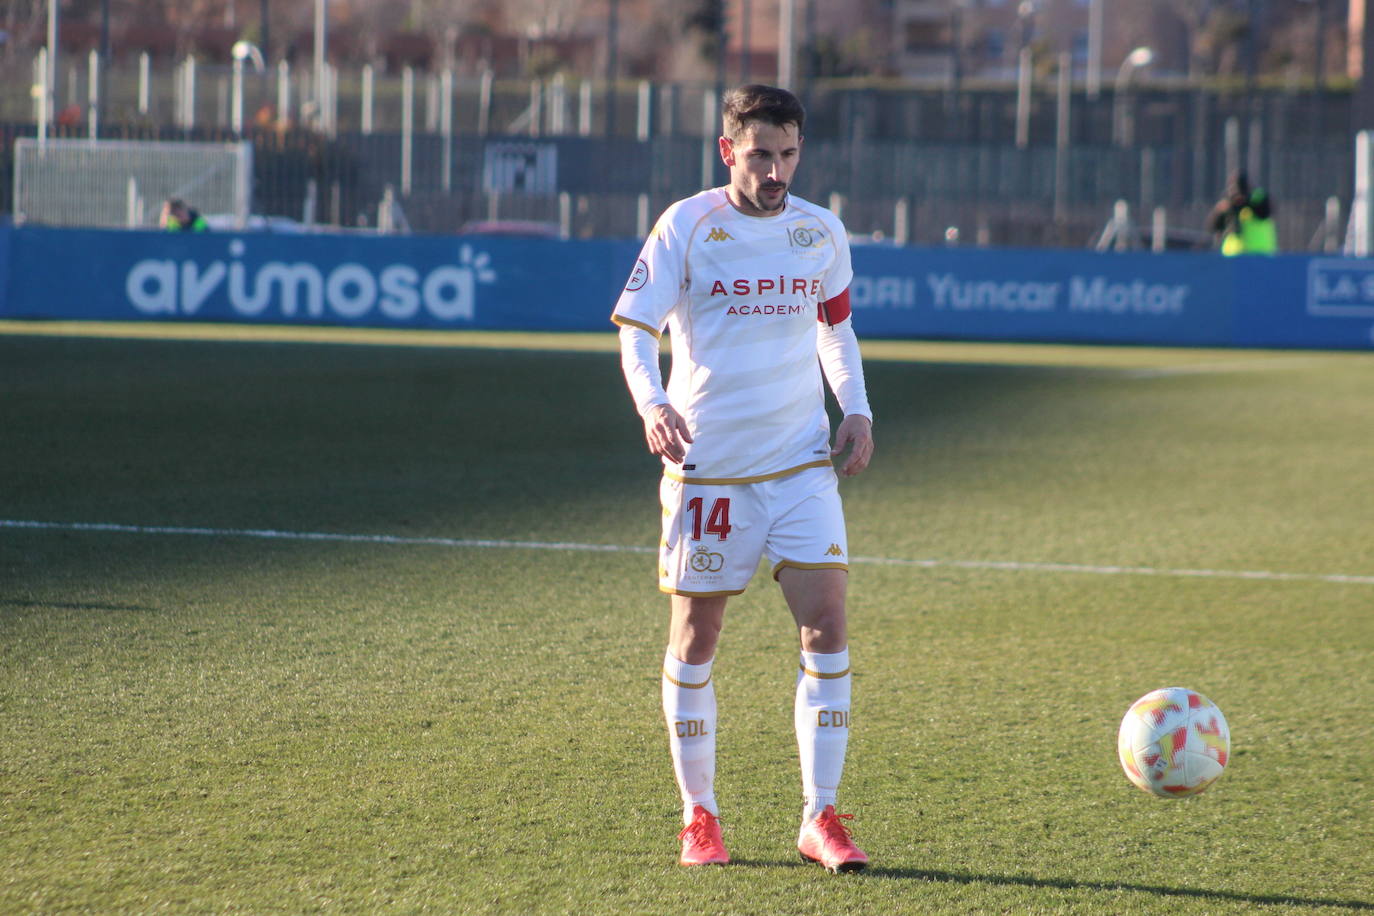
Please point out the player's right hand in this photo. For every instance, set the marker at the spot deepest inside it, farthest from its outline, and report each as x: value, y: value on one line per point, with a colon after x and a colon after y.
x: 666, y: 432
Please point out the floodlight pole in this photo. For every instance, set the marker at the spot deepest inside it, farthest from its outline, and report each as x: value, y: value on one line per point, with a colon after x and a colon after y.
x: 93, y: 93
x: 407, y: 127
x: 1062, y: 138
x: 50, y: 93
x: 42, y: 97
x: 1024, y: 66
x: 241, y: 51
x: 104, y: 60
x: 787, y: 43
x: 1123, y: 118
x: 612, y: 42
x: 264, y: 41
x: 1357, y: 241
x: 236, y: 100
x: 1094, y: 73
x: 1251, y: 52
x: 321, y: 39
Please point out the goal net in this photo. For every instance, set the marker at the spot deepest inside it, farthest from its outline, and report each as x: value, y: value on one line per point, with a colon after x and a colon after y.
x: 123, y: 183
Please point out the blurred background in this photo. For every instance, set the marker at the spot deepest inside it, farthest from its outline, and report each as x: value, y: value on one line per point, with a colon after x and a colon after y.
x: 1068, y: 123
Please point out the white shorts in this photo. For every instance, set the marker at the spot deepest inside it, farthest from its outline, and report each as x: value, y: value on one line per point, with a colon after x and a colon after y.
x: 714, y: 535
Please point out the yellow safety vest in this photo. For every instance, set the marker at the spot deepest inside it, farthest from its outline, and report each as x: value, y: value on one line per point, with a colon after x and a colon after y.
x: 1256, y: 236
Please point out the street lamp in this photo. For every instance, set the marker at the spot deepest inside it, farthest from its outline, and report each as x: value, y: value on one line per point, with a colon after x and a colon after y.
x: 1025, y: 18
x: 1025, y: 13
x: 1123, y: 126
x: 241, y: 51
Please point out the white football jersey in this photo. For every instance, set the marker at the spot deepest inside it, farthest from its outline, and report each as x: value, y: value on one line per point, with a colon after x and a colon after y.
x: 740, y: 297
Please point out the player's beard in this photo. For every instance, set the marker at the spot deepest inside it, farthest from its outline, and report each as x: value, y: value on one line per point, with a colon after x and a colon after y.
x: 758, y: 199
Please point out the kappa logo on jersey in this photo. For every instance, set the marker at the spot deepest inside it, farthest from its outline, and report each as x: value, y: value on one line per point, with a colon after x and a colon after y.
x: 805, y: 237
x: 834, y: 551
x: 718, y: 234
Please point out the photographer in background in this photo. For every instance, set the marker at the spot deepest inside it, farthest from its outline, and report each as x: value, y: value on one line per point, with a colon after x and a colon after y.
x: 1243, y: 220
x: 178, y: 217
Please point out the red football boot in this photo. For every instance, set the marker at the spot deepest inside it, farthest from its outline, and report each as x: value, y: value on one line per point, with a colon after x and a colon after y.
x: 701, y: 843
x: 826, y: 840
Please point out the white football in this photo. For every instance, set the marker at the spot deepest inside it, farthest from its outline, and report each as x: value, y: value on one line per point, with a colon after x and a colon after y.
x: 1173, y: 742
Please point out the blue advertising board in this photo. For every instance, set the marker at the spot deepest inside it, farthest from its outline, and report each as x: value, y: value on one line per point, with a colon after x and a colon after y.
x: 1042, y: 295
x: 508, y: 283
x: 378, y: 281
x: 1316, y: 302
x: 5, y: 243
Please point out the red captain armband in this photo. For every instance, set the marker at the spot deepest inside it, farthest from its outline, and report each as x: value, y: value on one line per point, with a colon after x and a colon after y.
x: 833, y: 311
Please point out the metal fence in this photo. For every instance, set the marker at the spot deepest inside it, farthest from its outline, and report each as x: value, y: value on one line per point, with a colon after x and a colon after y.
x: 916, y: 192
x: 901, y: 163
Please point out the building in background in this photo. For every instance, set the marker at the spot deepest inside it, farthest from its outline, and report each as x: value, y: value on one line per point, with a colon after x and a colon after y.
x: 920, y: 41
x: 424, y: 104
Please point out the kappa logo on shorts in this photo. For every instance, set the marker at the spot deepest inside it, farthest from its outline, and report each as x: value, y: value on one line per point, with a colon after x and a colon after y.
x: 834, y: 551
x: 718, y: 234
x: 704, y: 560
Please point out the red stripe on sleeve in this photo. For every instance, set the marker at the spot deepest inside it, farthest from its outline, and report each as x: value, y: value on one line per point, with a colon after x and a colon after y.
x: 833, y: 311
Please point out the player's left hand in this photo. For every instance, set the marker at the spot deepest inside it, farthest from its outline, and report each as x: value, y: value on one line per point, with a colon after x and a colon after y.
x: 855, y: 432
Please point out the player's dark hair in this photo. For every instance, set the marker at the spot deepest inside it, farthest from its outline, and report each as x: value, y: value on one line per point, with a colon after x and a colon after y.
x: 756, y: 102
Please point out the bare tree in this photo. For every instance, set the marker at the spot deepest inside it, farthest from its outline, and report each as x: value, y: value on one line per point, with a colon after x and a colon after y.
x: 1193, y: 14
x: 545, y: 18
x: 1222, y: 39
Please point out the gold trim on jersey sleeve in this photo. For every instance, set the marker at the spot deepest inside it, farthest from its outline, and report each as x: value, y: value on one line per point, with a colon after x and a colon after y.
x: 622, y: 321
x: 788, y: 564
x: 720, y: 481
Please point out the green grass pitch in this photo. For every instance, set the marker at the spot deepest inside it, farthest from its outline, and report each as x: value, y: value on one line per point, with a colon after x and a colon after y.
x: 208, y: 711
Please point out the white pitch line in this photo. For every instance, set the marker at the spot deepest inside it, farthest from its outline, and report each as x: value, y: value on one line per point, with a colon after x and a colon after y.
x: 1014, y: 566
x: 1222, y: 366
x: 406, y: 540
x: 270, y: 534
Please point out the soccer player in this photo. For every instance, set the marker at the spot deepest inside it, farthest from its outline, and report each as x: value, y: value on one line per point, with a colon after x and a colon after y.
x: 752, y: 284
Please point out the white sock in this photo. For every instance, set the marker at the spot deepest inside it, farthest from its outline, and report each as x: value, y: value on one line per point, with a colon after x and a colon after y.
x: 689, y: 707
x: 821, y: 716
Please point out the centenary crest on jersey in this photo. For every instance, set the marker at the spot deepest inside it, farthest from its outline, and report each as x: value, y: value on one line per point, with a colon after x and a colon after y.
x: 805, y: 237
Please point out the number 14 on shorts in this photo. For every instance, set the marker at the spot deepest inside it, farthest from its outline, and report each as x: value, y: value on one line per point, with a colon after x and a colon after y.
x: 717, y: 519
